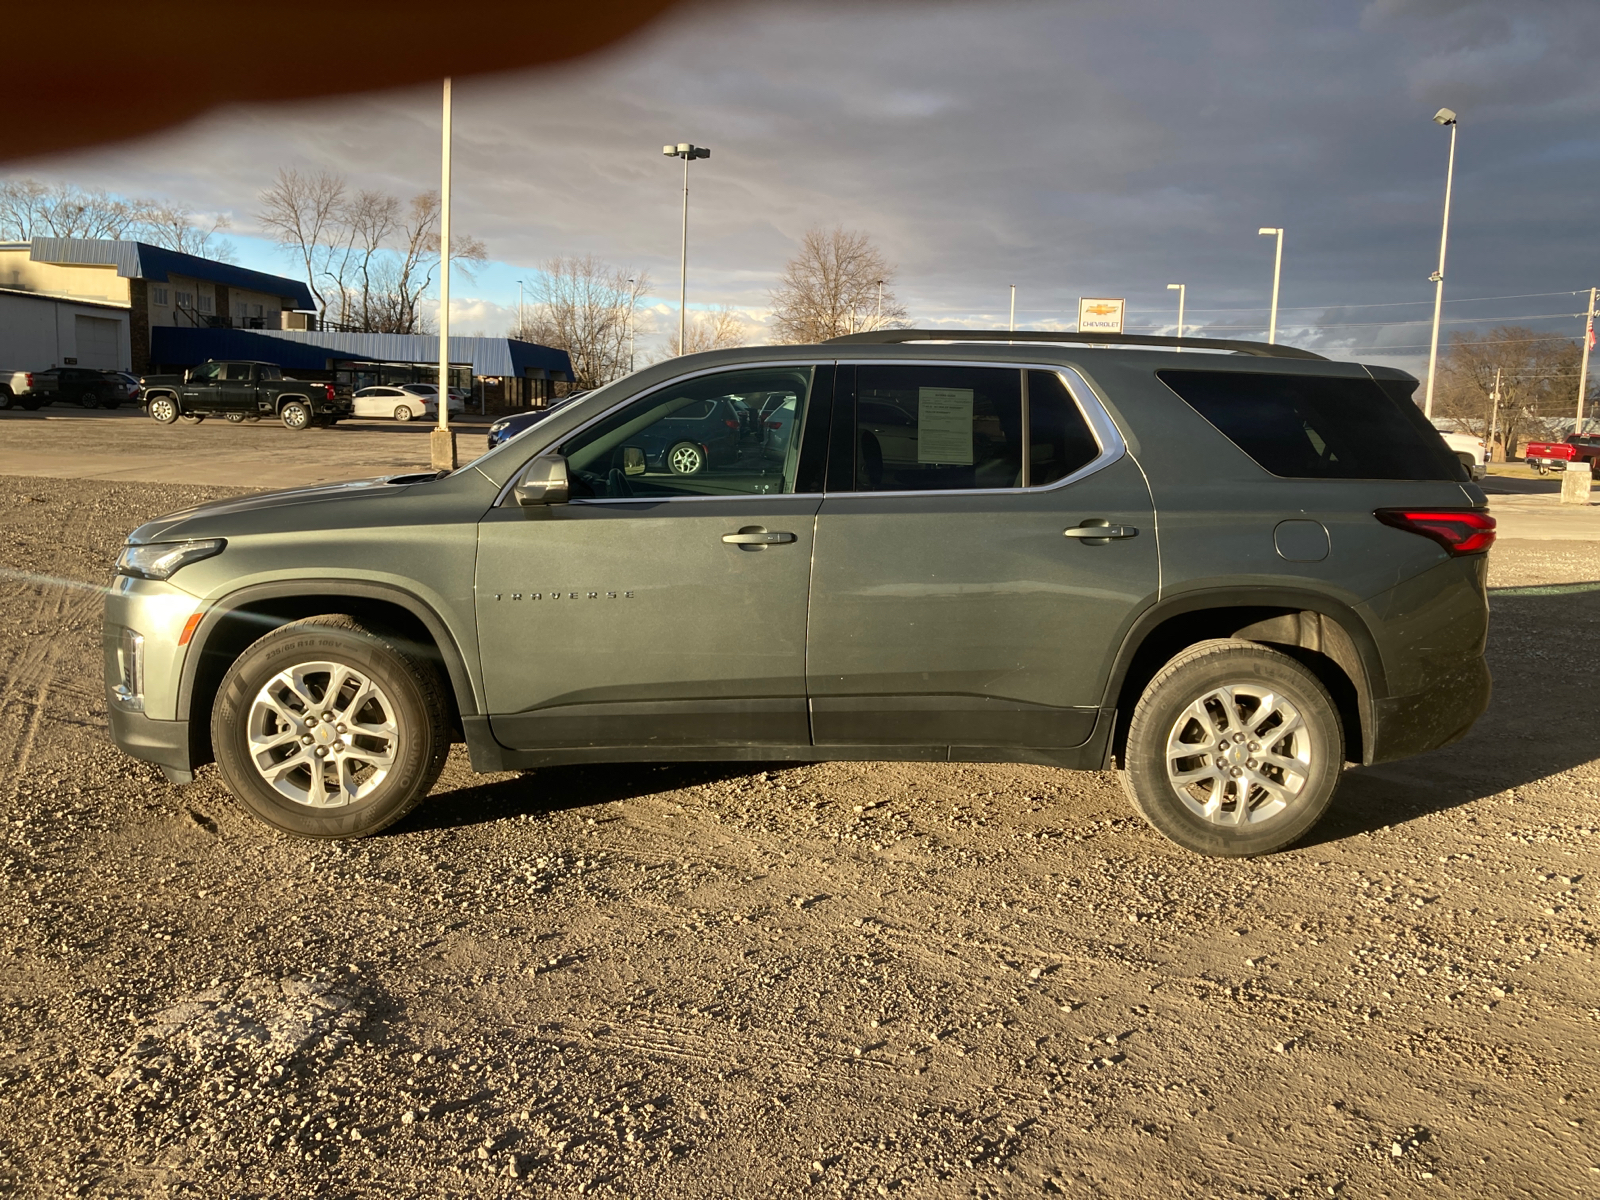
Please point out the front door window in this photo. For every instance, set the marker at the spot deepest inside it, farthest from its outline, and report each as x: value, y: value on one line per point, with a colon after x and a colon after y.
x: 690, y: 439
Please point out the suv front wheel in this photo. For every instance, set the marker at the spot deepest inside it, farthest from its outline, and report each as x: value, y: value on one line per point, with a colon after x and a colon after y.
x: 1234, y: 750
x: 326, y: 730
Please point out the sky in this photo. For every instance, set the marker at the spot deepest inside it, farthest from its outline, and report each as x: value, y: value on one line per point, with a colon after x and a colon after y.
x: 1070, y: 148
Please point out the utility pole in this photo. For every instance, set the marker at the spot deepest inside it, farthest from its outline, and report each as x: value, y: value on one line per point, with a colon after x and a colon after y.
x: 633, y: 308
x: 1583, y: 372
x: 1494, y: 418
x: 1443, y: 117
x: 442, y: 441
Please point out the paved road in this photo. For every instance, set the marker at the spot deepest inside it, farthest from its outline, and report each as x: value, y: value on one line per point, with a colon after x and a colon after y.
x: 124, y: 445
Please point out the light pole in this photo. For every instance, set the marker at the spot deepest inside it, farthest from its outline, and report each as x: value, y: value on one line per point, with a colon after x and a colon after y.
x: 687, y: 151
x: 1443, y: 117
x: 1013, y: 308
x: 877, y: 321
x: 442, y: 443
x: 1181, y: 290
x: 1583, y: 372
x: 1277, y: 273
x: 519, y: 308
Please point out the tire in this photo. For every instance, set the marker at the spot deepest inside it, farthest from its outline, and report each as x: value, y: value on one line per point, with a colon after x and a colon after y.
x: 374, y: 780
x: 296, y: 415
x: 235, y: 418
x: 1542, y: 469
x: 7, y: 400
x: 402, y: 412
x: 191, y: 418
x: 686, y: 458
x: 1201, y: 817
x: 163, y: 410
x: 89, y: 400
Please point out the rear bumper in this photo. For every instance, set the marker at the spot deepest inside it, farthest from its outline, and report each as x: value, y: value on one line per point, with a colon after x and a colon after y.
x: 1426, y: 720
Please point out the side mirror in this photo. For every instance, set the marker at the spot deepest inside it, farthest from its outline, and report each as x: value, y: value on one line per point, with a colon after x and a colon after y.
x: 544, y: 482
x: 632, y: 460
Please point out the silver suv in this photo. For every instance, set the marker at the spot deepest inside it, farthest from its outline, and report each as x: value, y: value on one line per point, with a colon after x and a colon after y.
x: 1228, y: 572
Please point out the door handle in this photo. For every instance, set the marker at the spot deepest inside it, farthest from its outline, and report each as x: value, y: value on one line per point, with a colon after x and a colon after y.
x: 757, y: 538
x: 1099, y: 532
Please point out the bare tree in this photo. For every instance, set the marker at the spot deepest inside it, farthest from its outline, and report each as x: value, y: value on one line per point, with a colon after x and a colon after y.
x: 832, y: 287
x: 176, y: 228
x: 30, y: 209
x: 302, y: 214
x: 717, y: 329
x: 1538, y: 383
x: 371, y: 219
x: 587, y: 308
x: 401, y: 278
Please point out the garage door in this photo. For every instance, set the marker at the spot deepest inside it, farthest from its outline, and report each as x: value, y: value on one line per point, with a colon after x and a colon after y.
x: 97, y: 342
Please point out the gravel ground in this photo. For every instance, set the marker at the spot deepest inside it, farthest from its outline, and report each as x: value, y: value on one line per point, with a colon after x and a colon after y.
x: 849, y: 979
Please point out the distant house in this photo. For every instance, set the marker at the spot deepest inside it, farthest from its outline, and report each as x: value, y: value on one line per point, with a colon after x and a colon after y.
x: 94, y: 302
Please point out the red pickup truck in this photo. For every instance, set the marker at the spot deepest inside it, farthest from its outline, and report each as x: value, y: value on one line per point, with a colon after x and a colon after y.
x: 1545, y: 457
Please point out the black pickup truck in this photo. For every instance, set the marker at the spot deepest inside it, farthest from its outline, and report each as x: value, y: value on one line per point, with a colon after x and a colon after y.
x: 243, y: 391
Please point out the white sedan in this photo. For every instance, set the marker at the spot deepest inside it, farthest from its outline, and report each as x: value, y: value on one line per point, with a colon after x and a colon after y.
x: 401, y: 403
x: 458, y: 398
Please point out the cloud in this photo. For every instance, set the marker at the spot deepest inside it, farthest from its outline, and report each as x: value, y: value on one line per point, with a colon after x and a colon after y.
x: 1084, y: 149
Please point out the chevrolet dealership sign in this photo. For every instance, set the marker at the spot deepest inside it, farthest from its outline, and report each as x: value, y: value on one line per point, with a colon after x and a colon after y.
x: 1100, y: 316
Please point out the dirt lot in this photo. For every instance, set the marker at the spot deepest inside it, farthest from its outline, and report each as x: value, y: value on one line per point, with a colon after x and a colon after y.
x: 858, y: 979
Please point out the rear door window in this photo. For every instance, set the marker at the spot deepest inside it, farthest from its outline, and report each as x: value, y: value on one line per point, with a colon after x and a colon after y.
x: 1318, y: 426
x: 925, y: 428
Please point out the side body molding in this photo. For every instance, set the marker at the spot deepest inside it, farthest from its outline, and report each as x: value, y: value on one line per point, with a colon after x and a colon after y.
x: 449, y: 652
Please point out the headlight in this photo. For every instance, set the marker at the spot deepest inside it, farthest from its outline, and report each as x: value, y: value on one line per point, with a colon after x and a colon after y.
x: 161, y: 560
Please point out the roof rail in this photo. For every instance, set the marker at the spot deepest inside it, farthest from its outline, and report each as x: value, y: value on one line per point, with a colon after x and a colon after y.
x: 884, y: 337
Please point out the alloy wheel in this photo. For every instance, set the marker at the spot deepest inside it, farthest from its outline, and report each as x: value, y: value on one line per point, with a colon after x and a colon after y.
x: 322, y: 734
x: 1240, y: 753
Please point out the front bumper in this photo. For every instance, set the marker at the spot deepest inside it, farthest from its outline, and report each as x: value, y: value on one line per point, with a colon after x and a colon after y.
x: 165, y: 743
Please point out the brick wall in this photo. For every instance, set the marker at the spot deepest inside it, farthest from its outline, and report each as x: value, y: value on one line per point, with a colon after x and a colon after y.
x: 139, y: 324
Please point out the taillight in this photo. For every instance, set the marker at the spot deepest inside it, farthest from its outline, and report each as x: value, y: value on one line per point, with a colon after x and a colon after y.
x: 27, y: 381
x: 329, y: 388
x: 731, y: 424
x: 1458, y: 530
x: 774, y: 424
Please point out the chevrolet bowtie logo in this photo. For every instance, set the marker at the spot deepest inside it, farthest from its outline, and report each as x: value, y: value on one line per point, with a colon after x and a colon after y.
x: 1101, y: 310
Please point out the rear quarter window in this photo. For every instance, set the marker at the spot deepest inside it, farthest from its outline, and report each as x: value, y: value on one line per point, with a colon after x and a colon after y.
x: 1318, y: 426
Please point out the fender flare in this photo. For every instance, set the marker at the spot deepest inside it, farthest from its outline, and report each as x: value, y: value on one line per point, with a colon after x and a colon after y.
x: 449, y: 652
x: 1369, y: 678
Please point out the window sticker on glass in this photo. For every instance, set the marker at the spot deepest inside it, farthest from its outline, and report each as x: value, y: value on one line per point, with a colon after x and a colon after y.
x: 944, y: 426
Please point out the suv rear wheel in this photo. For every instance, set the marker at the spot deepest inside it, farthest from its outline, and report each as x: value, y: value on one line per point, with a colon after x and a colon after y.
x: 1234, y: 750
x: 89, y: 400
x: 326, y: 730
